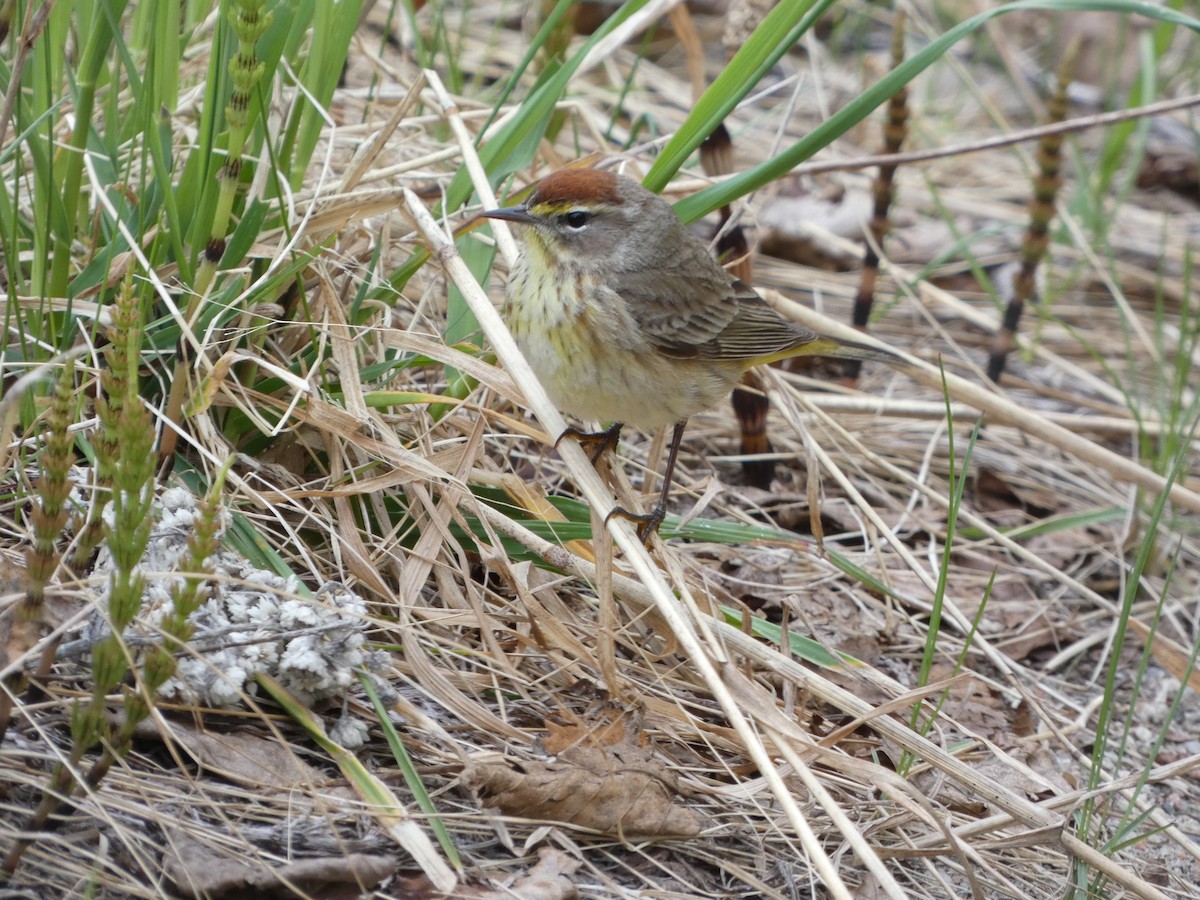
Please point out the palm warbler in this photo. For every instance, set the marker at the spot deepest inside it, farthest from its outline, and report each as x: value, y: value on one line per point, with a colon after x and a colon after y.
x: 626, y: 318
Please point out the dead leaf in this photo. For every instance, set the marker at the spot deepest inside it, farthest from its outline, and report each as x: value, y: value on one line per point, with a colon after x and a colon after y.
x: 1173, y: 168
x: 240, y: 757
x: 993, y: 493
x: 870, y: 889
x: 198, y: 871
x: 620, y: 791
x: 1167, y: 653
x: 602, y: 725
x: 20, y: 627
x: 1023, y: 720
x: 549, y: 879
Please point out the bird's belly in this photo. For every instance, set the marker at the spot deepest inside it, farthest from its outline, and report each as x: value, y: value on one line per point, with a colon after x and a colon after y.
x: 595, y: 376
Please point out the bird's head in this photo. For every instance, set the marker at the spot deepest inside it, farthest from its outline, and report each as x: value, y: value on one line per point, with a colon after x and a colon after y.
x: 589, y: 218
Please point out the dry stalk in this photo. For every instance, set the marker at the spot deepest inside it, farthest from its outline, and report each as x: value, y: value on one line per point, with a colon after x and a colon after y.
x: 1002, y: 410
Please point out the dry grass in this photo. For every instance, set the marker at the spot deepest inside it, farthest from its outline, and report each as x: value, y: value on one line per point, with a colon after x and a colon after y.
x: 781, y: 775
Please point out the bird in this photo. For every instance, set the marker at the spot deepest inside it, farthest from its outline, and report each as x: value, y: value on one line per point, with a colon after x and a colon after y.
x: 626, y: 318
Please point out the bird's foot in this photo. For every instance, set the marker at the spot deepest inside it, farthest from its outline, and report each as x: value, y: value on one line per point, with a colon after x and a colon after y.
x: 595, y: 441
x: 647, y: 523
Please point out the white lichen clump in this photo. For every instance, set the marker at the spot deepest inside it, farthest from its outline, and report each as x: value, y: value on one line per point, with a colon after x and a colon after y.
x: 254, y: 622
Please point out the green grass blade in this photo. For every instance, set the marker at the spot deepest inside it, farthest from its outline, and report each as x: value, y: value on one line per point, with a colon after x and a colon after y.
x: 384, y: 806
x: 776, y: 35
x: 705, y: 201
x: 799, y: 646
x: 411, y: 777
x: 513, y: 146
x: 333, y: 26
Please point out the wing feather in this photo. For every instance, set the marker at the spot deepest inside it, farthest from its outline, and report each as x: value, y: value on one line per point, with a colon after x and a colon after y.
x: 717, y: 317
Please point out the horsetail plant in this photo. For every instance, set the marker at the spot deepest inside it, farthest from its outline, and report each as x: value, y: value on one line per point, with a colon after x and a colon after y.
x: 48, y: 519
x: 246, y: 71
x: 127, y: 536
x: 1046, y: 185
x: 883, y: 190
x: 158, y: 665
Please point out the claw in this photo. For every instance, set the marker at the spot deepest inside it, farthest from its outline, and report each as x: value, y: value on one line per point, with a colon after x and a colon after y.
x: 599, y: 440
x: 647, y: 523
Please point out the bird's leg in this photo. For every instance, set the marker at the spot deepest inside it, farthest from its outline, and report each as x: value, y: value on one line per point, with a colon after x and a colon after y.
x: 596, y: 441
x: 648, y: 523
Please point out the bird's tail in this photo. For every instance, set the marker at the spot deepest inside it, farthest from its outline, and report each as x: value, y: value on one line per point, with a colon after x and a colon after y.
x: 822, y: 345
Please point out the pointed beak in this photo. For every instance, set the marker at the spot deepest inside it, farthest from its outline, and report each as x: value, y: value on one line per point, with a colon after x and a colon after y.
x: 511, y: 214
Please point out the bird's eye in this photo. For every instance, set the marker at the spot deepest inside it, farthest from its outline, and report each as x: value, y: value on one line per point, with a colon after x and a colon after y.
x: 577, y: 218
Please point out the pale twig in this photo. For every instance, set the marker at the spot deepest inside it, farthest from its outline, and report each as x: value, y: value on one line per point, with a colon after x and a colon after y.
x: 1002, y: 410
x: 1083, y: 123
x: 369, y: 151
x: 934, y: 410
x: 962, y: 622
x: 479, y: 179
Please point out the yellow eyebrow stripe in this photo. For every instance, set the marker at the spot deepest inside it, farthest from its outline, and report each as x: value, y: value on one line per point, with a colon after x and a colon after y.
x: 552, y: 209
